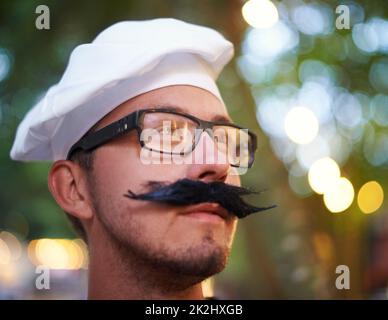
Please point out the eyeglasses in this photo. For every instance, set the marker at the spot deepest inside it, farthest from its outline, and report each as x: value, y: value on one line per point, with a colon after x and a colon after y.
x: 176, y: 133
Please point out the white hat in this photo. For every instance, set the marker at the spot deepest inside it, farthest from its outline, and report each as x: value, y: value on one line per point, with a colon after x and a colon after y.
x: 125, y: 60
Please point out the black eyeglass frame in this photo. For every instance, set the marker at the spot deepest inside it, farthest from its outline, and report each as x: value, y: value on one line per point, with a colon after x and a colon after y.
x: 131, y: 122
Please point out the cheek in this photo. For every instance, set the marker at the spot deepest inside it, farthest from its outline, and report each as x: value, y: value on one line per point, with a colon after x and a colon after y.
x: 119, y: 167
x: 117, y: 170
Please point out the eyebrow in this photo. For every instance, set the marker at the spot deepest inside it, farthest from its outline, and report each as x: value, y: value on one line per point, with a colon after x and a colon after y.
x: 216, y: 118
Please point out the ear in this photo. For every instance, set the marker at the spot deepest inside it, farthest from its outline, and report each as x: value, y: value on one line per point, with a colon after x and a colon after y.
x: 68, y: 185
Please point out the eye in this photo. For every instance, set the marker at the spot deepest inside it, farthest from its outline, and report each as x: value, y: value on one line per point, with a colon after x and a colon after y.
x: 165, y: 130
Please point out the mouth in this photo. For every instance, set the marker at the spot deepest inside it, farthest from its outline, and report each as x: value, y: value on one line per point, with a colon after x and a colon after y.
x: 209, y: 212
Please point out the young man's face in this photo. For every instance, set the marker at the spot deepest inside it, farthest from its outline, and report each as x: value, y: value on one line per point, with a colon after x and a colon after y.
x: 162, y: 235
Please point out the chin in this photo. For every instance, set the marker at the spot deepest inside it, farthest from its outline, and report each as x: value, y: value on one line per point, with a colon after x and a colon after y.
x: 205, y: 260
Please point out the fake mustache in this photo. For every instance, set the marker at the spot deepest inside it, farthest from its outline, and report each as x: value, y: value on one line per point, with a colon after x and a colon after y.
x: 190, y: 192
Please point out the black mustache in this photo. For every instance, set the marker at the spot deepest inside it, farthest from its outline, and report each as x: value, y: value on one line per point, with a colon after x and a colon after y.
x: 190, y: 192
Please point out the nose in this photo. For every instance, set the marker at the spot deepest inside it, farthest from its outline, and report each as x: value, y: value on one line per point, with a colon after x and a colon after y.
x: 208, y: 163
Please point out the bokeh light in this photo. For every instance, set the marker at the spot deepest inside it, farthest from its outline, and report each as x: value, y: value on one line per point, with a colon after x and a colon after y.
x: 323, y: 174
x: 313, y: 19
x: 13, y: 245
x: 347, y: 110
x: 365, y: 37
x: 265, y: 45
x: 378, y: 75
x: 5, y: 253
x: 208, y: 287
x: 339, y: 196
x: 316, y: 71
x: 57, y: 253
x: 301, y: 125
x: 299, y: 185
x: 371, y: 36
x: 260, y: 13
x: 316, y: 96
x: 379, y: 109
x: 375, y: 147
x: 370, y: 197
x: 307, y: 154
x: 271, y: 113
x: 5, y: 64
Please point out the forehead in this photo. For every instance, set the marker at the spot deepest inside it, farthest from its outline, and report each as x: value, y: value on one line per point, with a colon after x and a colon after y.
x: 189, y: 99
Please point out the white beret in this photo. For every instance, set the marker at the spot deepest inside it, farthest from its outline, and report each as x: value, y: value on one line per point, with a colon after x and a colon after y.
x: 127, y: 59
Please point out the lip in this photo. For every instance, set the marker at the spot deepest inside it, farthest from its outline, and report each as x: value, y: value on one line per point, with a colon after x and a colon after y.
x: 207, y: 211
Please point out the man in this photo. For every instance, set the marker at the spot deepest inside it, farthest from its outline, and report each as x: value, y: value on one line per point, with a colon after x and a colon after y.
x: 130, y: 107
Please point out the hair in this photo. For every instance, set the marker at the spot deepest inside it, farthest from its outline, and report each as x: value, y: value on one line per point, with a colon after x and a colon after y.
x: 85, y: 160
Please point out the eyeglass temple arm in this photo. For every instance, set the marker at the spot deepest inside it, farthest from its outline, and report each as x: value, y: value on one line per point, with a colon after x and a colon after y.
x: 113, y: 130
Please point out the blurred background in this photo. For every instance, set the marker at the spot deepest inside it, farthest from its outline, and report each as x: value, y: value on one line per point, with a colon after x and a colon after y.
x: 311, y: 81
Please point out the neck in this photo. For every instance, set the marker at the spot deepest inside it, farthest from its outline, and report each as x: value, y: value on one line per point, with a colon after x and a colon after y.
x: 112, y: 276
